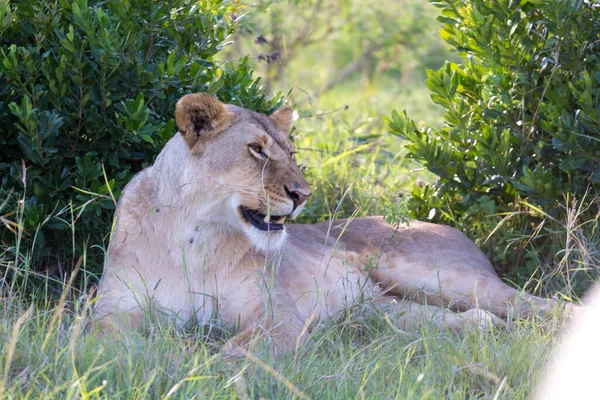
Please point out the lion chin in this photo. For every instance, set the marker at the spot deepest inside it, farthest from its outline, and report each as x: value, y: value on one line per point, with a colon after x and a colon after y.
x: 267, y: 233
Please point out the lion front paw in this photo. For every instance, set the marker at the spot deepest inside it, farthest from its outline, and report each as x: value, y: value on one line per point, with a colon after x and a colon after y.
x: 480, y: 319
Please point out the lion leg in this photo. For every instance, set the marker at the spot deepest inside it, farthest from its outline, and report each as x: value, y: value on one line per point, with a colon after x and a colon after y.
x: 523, y: 304
x: 413, y: 316
x: 287, y: 335
x: 121, y: 322
x: 113, y: 313
x: 273, y: 315
x: 436, y: 264
x: 462, y: 290
x: 490, y: 293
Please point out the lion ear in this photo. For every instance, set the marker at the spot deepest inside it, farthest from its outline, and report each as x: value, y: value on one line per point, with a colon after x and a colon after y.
x: 283, y: 118
x: 200, y: 117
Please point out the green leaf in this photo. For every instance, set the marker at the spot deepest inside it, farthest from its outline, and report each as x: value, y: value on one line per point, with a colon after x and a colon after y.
x: 215, y: 86
x: 572, y: 163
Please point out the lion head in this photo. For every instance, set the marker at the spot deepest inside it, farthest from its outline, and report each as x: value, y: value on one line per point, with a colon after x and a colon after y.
x: 240, y: 167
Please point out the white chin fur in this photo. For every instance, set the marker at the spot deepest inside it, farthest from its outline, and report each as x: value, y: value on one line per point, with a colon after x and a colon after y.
x: 266, y: 242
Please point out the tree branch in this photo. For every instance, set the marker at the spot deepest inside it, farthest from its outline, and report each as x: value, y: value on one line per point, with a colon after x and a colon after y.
x: 351, y: 67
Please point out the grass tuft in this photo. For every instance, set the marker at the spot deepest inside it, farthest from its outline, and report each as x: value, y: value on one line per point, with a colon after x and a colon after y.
x: 352, y: 357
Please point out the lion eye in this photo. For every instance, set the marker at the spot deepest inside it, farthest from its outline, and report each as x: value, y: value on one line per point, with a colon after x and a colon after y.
x: 257, y: 150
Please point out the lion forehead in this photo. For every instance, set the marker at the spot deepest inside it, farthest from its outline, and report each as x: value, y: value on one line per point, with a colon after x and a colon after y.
x: 264, y: 123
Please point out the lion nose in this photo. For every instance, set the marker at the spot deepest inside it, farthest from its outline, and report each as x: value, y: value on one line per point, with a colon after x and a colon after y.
x: 297, y: 196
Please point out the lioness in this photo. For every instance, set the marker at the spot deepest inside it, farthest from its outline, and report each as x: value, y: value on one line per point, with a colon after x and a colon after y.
x: 200, y: 236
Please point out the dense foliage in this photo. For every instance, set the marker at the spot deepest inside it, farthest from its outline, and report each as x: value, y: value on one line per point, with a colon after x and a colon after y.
x: 87, y: 94
x: 522, y: 118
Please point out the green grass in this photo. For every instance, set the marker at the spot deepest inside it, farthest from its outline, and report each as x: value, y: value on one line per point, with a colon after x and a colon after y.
x: 46, y: 355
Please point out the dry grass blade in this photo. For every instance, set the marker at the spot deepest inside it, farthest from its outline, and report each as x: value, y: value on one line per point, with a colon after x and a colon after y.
x: 61, y: 302
x: 267, y: 368
x: 12, y: 226
x: 347, y: 153
x: 187, y: 376
x: 501, y: 387
x: 12, y: 345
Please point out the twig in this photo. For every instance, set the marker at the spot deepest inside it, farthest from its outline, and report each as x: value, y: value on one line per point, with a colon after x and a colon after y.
x: 344, y: 108
x: 150, y: 46
x: 532, y: 126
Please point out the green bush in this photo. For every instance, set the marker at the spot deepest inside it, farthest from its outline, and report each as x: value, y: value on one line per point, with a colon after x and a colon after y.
x: 522, y: 119
x: 87, y: 97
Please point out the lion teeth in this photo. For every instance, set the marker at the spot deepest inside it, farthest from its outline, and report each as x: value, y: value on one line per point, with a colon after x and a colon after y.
x: 274, y: 219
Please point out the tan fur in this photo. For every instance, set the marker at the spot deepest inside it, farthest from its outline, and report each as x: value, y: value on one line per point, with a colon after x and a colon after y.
x: 200, y: 117
x: 284, y: 118
x: 181, y: 248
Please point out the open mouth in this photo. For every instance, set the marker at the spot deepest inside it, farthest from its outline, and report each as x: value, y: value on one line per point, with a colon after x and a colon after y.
x: 261, y: 221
